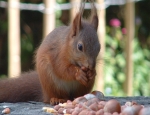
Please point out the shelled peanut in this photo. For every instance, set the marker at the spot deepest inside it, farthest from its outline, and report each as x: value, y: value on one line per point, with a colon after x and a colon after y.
x: 94, y: 104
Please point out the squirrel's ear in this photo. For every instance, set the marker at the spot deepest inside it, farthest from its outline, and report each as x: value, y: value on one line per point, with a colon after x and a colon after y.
x: 94, y: 19
x: 76, y: 25
x: 94, y: 22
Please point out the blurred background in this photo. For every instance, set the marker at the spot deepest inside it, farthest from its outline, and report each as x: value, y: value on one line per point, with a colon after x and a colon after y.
x: 124, y: 31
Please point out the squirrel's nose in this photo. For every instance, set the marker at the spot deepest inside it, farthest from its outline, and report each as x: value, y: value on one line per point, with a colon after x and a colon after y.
x: 89, y: 64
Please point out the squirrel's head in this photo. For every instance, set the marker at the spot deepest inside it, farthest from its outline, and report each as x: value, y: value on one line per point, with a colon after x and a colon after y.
x: 83, y: 41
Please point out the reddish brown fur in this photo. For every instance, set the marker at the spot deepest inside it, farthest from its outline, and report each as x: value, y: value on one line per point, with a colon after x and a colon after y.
x: 25, y: 88
x: 57, y: 60
x: 64, y: 70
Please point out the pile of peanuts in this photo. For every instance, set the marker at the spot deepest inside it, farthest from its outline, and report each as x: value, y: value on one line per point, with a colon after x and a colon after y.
x: 94, y: 104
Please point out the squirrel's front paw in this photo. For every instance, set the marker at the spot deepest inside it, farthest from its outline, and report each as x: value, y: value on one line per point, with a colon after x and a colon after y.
x: 55, y: 101
x: 91, y: 74
x: 81, y: 76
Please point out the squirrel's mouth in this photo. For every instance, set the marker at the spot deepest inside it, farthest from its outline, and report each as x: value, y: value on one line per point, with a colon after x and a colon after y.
x: 85, y: 64
x: 82, y: 66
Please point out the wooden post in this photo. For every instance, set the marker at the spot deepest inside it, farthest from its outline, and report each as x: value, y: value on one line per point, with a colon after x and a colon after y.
x: 129, y: 21
x: 101, y: 34
x: 14, y: 66
x: 49, y: 17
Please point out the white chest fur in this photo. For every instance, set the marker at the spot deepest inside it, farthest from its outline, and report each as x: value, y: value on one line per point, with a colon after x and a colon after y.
x: 69, y: 86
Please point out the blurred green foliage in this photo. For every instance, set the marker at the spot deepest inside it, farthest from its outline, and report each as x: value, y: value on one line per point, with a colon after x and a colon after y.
x: 115, y: 66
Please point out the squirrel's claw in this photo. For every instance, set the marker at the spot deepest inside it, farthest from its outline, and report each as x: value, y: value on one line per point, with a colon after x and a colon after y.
x: 55, y: 101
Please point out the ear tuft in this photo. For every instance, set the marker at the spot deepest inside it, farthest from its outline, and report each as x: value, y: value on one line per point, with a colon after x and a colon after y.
x: 94, y: 18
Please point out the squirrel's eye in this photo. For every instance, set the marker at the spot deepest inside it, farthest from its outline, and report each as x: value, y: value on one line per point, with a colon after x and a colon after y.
x: 80, y: 47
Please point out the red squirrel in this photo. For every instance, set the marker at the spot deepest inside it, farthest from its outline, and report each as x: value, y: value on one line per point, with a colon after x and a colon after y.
x: 65, y: 65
